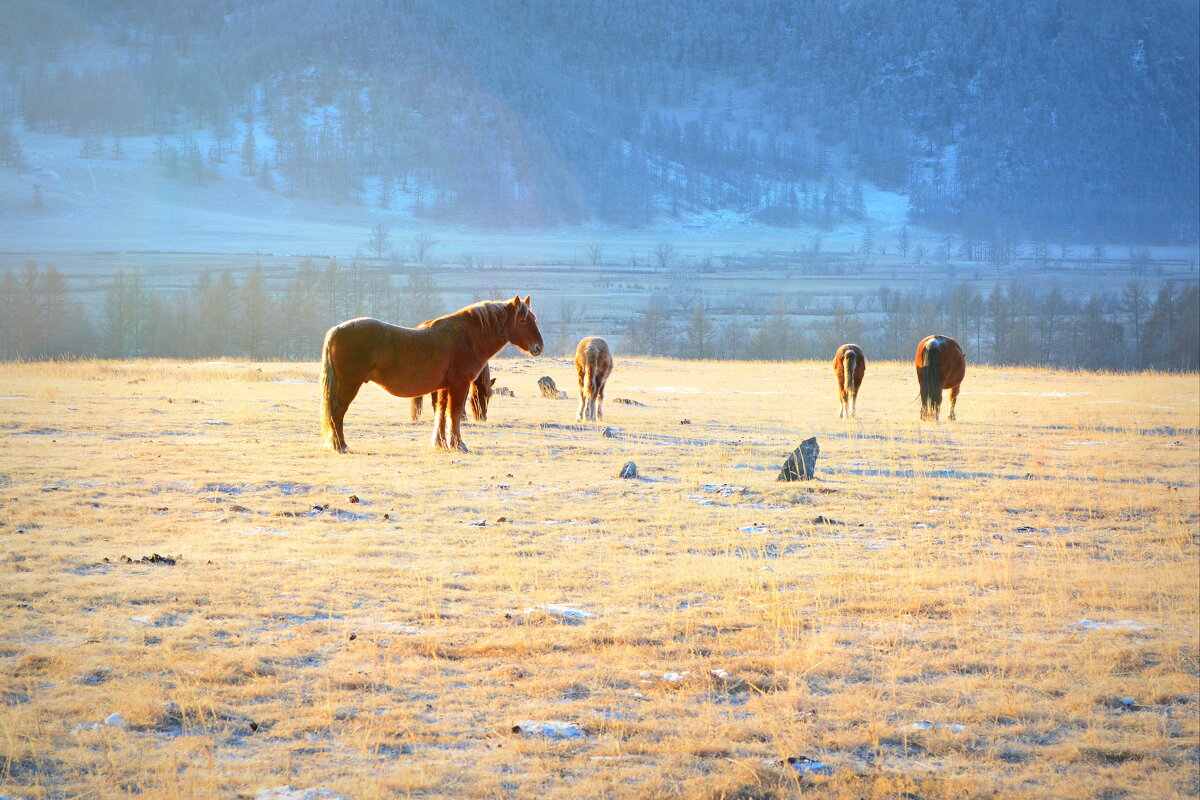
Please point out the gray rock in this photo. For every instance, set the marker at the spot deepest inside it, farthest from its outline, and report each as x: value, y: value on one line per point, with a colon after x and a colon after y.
x: 547, y: 387
x: 801, y: 465
x: 629, y: 470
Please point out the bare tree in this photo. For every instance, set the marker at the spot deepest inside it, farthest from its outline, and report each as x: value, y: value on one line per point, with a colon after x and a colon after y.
x: 595, y: 252
x: 380, y: 242
x: 664, y: 254
x: 423, y: 242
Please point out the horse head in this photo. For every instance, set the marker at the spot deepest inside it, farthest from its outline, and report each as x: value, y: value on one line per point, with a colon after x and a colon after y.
x: 522, y: 327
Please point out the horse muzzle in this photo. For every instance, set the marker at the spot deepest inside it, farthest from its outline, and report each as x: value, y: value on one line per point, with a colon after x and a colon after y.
x: 535, y: 349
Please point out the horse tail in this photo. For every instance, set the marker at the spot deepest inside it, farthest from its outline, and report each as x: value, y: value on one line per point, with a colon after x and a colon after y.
x: 931, y: 377
x: 329, y: 386
x: 593, y: 377
x: 849, y: 365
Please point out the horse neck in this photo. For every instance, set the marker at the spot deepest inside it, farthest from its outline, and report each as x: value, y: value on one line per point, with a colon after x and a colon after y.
x: 483, y: 341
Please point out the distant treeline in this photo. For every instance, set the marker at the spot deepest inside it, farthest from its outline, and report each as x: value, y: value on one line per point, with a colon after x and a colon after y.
x: 1013, y: 325
x: 218, y: 316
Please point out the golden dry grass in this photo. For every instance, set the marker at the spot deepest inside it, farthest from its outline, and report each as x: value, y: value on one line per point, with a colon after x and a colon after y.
x: 1018, y: 573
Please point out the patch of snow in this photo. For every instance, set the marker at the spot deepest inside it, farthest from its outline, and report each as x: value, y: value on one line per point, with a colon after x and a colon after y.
x: 949, y: 727
x: 803, y: 765
x: 1086, y: 624
x: 288, y: 793
x: 550, y: 729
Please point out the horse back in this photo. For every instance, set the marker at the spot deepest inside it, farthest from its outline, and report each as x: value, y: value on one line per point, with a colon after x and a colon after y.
x: 951, y: 362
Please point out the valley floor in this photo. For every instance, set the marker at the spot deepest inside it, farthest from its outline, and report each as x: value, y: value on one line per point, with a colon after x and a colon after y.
x: 1002, y: 606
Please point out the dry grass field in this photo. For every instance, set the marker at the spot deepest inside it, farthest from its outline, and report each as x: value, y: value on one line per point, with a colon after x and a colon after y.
x: 1001, y: 607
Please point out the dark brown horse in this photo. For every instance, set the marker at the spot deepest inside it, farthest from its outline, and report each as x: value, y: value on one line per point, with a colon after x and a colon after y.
x: 941, y: 364
x: 593, y: 365
x: 408, y: 362
x: 849, y: 365
x: 480, y: 396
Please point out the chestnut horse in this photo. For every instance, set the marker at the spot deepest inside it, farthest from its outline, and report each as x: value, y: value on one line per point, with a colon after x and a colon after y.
x: 593, y: 365
x: 408, y: 362
x: 941, y: 364
x: 849, y: 365
x: 481, y: 394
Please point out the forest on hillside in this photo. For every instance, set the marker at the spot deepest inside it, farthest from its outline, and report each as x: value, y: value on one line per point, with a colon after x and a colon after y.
x: 997, y: 118
x: 255, y: 318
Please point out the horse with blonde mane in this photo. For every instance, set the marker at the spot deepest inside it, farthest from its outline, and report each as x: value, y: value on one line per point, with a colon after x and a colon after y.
x: 941, y: 364
x: 849, y: 365
x: 593, y: 365
x: 409, y: 362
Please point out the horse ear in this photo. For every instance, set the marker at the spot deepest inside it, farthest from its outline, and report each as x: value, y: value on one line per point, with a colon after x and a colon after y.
x: 526, y: 299
x: 516, y: 301
x: 493, y: 383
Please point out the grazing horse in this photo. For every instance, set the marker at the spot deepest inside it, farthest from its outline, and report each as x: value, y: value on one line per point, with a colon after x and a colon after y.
x: 941, y: 364
x: 409, y: 362
x: 480, y: 396
x: 849, y: 365
x: 593, y: 365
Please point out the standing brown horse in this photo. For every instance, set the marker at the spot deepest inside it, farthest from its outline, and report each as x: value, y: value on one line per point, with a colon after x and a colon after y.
x: 407, y: 362
x: 593, y: 365
x: 849, y: 365
x: 480, y: 396
x: 941, y: 364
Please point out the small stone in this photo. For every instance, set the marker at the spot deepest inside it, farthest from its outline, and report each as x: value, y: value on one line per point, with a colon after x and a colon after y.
x: 802, y: 463
x: 354, y: 499
x: 547, y: 387
x: 685, y: 422
x: 1128, y: 702
x: 114, y: 720
x: 629, y: 471
x: 609, y: 433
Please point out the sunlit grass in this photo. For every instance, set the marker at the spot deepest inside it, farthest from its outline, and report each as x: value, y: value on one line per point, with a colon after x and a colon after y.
x: 1010, y: 579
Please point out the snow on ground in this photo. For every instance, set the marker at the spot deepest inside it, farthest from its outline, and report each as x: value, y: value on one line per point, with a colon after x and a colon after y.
x: 106, y: 204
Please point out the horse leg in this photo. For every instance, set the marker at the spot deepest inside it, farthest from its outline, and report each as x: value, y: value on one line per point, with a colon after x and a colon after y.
x: 953, y: 400
x: 439, y: 422
x: 599, y: 401
x: 337, y: 414
x: 414, y: 412
x: 457, y: 402
x: 851, y: 403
